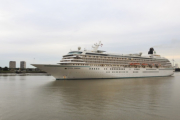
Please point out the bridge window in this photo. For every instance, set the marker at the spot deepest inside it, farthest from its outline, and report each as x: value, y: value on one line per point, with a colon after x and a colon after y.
x: 74, y: 53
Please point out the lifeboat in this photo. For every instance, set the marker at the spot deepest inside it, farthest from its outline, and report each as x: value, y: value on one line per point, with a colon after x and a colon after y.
x: 131, y: 63
x: 135, y: 64
x: 144, y: 64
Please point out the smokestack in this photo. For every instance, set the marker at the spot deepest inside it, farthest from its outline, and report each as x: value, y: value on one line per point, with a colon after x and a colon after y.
x: 151, y: 50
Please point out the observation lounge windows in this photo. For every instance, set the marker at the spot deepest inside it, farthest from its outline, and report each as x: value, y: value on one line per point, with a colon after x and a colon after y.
x: 70, y: 53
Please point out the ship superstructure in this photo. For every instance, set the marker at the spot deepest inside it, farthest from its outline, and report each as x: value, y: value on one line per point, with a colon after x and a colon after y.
x: 93, y: 64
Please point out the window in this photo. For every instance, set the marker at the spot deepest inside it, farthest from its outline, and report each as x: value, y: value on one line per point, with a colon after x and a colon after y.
x: 74, y: 53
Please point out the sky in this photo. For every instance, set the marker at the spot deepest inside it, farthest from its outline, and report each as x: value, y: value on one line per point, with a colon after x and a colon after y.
x: 42, y: 31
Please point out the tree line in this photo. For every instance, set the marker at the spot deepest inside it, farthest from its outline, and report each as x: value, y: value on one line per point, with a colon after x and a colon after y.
x: 4, y: 69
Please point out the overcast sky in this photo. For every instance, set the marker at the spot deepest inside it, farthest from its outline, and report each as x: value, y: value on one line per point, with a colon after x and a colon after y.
x: 41, y: 31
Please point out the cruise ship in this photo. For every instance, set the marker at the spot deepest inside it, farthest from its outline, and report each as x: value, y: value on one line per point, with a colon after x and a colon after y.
x: 98, y: 64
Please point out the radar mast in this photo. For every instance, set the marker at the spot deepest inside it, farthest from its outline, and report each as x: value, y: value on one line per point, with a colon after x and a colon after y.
x: 96, y: 46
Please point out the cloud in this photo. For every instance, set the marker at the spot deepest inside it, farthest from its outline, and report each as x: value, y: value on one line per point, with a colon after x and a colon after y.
x: 52, y: 28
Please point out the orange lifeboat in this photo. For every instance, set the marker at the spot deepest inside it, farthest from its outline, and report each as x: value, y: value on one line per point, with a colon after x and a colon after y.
x: 131, y: 63
x: 135, y: 64
x: 144, y: 64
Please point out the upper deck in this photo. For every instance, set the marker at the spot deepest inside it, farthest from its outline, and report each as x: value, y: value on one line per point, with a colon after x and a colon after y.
x: 96, y: 56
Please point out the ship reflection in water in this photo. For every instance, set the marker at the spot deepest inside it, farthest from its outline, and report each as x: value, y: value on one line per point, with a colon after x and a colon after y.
x: 43, y: 98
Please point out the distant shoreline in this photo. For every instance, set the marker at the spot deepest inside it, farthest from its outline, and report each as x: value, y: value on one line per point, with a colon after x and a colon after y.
x: 22, y: 72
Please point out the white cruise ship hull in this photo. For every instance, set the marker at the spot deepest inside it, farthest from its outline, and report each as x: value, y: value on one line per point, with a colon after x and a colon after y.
x: 97, y: 72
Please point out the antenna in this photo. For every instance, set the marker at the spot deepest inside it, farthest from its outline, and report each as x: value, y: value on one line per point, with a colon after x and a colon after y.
x: 173, y: 62
x: 34, y: 60
x: 96, y: 46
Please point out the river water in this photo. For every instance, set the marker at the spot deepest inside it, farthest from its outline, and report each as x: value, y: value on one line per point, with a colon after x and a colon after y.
x: 40, y: 97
